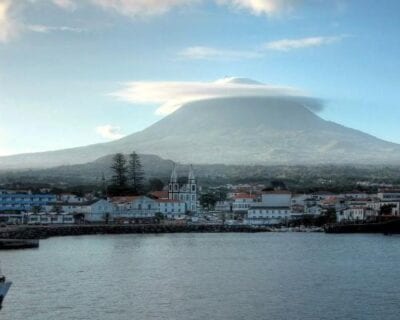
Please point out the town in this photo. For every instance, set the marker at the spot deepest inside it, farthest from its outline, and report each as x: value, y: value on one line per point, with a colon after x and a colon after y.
x: 184, y: 201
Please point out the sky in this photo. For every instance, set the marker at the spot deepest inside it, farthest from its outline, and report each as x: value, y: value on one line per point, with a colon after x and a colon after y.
x: 75, y: 72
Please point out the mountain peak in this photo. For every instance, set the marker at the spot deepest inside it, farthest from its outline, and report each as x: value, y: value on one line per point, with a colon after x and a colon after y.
x: 236, y: 130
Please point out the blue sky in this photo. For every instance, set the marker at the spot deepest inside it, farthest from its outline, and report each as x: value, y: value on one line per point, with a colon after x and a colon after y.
x: 65, y: 64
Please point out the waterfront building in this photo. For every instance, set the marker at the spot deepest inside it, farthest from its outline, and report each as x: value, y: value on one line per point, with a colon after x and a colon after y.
x: 267, y: 215
x: 242, y: 202
x: 172, y: 209
x: 99, y: 211
x: 186, y: 192
x: 44, y: 218
x: 159, y: 194
x: 223, y: 206
x: 71, y: 198
x: 277, y: 198
x: 274, y: 208
x: 24, y: 202
x: 389, y: 195
x: 138, y: 207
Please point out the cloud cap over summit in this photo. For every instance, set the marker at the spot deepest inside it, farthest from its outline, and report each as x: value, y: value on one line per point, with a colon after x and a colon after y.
x: 172, y: 95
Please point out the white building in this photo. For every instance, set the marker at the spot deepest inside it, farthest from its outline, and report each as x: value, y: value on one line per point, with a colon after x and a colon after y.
x: 389, y: 195
x: 264, y: 215
x: 70, y: 198
x: 278, y: 198
x: 99, y: 211
x: 186, y: 192
x: 242, y: 202
x: 172, y: 209
x: 134, y: 207
x: 50, y: 218
x: 274, y: 208
x: 355, y: 214
x: 223, y: 206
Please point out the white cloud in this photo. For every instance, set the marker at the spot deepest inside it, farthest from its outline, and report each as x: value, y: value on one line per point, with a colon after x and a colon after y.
x: 172, y: 95
x: 291, y: 44
x: 206, y: 53
x: 136, y: 8
x: 109, y: 132
x: 142, y: 7
x: 65, y: 4
x: 259, y: 7
x: 47, y: 29
x: 8, y: 25
x: 209, y: 53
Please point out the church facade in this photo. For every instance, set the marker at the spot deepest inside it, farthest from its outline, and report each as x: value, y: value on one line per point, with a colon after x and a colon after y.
x: 184, y: 192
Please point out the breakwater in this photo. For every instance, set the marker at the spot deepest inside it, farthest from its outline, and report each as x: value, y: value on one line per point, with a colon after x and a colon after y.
x: 13, y: 244
x: 388, y: 227
x: 43, y: 232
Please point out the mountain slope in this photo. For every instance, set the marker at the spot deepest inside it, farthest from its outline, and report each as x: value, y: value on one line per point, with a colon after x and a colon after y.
x: 245, y: 130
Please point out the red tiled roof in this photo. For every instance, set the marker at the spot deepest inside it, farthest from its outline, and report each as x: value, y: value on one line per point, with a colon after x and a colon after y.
x: 124, y: 199
x: 245, y: 196
x: 277, y: 192
x: 169, y: 200
x: 160, y: 194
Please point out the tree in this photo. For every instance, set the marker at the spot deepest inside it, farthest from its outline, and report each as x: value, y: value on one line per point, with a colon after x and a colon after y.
x: 386, y: 209
x: 208, y: 200
x: 156, y: 184
x: 135, y: 173
x: 56, y: 208
x: 36, y: 209
x: 159, y: 217
x: 119, y: 178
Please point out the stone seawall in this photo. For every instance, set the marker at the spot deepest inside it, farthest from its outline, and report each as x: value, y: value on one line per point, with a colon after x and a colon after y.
x: 388, y: 227
x: 43, y: 232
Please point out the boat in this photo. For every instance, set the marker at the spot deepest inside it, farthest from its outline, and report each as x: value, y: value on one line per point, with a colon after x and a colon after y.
x: 4, y: 286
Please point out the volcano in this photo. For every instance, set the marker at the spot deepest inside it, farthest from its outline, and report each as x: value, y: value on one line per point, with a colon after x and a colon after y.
x: 235, y: 130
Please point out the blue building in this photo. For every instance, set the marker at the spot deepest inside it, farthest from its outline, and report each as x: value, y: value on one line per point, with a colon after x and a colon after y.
x: 24, y: 202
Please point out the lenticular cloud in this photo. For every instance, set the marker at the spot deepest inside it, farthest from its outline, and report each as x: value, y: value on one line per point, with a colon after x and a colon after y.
x: 173, y: 95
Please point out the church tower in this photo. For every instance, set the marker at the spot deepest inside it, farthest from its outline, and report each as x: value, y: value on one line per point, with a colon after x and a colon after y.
x: 192, y: 190
x: 173, y: 187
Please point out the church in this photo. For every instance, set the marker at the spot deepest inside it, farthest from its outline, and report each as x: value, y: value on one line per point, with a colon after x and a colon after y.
x: 186, y: 193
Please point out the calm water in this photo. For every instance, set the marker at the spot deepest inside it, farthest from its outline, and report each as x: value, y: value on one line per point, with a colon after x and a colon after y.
x: 206, y: 276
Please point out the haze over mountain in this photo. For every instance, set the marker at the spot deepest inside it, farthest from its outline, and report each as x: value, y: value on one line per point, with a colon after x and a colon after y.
x: 235, y: 130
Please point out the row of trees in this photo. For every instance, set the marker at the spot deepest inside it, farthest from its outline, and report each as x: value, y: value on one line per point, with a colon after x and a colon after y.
x: 128, y: 175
